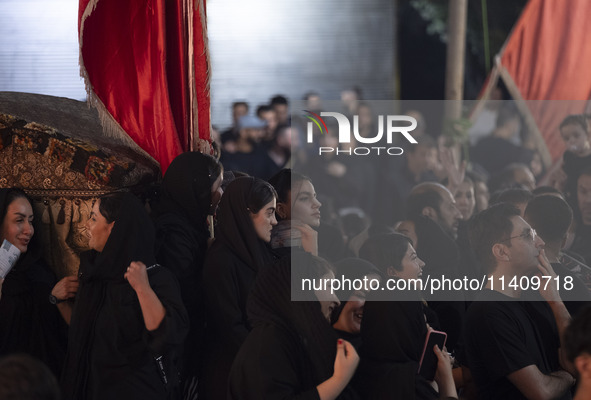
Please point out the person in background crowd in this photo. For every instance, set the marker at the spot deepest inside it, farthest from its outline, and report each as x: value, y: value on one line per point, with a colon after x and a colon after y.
x: 403, y: 174
x: 577, y: 340
x: 28, y: 322
x: 190, y: 191
x: 269, y: 115
x: 239, y: 109
x: 436, y: 202
x: 128, y: 321
x: 481, y: 193
x: 582, y: 214
x: 498, y: 149
x: 292, y: 352
x: 465, y: 199
x: 551, y: 217
x: 248, y: 154
x: 574, y: 131
x: 512, y: 176
x: 246, y: 216
x: 347, y: 317
x: 280, y: 104
x: 516, y: 196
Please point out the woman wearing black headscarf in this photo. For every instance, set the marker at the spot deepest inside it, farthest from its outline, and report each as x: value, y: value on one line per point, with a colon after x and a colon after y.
x: 245, y: 218
x: 28, y: 322
x: 347, y: 318
x: 394, y: 332
x: 190, y: 191
x: 128, y: 319
x: 292, y: 352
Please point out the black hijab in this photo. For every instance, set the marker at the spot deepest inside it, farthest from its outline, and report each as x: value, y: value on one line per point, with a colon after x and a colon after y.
x: 270, y: 303
x: 131, y: 239
x: 186, y: 187
x: 235, y: 228
x: 393, y: 335
x: 352, y: 269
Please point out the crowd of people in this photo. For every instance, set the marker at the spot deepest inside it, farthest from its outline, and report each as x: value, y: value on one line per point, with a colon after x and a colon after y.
x: 175, y: 304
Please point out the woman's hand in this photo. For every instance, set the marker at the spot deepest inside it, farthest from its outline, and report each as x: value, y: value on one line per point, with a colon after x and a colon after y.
x: 137, y: 276
x: 152, y: 309
x: 309, y: 236
x: 66, y: 288
x: 345, y: 364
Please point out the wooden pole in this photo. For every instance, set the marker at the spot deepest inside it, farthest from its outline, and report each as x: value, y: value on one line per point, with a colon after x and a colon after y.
x: 454, y: 69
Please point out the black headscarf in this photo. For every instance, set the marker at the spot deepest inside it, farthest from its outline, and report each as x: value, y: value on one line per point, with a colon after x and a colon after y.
x: 393, y: 335
x: 186, y: 187
x: 131, y: 239
x: 352, y: 269
x: 270, y: 303
x: 235, y: 228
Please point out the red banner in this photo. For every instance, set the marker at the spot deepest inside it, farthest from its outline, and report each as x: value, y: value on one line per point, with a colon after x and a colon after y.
x: 146, y: 68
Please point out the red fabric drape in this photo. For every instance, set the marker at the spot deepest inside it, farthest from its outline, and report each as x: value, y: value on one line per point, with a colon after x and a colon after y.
x: 135, y: 58
x: 548, y: 56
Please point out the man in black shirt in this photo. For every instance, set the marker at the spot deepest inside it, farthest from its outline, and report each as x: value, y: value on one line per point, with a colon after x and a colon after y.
x: 505, y: 347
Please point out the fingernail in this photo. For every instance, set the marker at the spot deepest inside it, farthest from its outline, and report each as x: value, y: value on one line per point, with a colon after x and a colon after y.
x: 340, y: 341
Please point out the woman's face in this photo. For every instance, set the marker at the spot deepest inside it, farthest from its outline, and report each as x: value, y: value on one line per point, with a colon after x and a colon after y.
x: 98, y: 228
x: 412, y: 265
x: 352, y: 313
x: 481, y: 195
x: 216, y: 194
x: 17, y: 226
x: 328, y: 301
x: 264, y: 220
x: 305, y: 206
x: 465, y: 200
x: 407, y: 228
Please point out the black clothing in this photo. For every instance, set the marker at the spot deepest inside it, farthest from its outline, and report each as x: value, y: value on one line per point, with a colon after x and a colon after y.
x: 394, y: 188
x: 28, y: 322
x: 291, y: 348
x: 253, y: 163
x: 494, y: 154
x: 503, y: 335
x: 578, y: 297
x: 230, y: 269
x: 581, y: 243
x: 110, y: 351
x: 442, y: 258
x: 572, y: 166
x: 393, y: 336
x: 181, y: 241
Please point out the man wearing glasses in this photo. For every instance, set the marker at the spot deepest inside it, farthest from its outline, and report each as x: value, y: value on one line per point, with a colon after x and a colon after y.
x: 506, y: 349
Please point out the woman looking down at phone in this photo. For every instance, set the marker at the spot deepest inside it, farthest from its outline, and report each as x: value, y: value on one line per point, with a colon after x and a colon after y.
x: 394, y: 331
x: 298, y: 212
x: 128, y: 319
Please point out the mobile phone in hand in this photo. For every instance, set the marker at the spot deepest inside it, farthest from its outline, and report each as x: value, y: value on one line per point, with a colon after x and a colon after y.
x: 428, y: 363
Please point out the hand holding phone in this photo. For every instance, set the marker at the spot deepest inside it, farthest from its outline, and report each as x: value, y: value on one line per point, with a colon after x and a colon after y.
x: 428, y: 363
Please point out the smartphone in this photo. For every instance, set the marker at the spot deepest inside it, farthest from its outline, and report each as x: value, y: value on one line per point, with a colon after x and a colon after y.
x: 428, y: 363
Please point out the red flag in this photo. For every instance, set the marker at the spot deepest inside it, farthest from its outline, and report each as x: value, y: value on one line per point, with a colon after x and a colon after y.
x: 146, y: 69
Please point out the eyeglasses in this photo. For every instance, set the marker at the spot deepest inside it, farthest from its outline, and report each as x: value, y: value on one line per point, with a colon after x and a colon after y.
x: 530, y: 234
